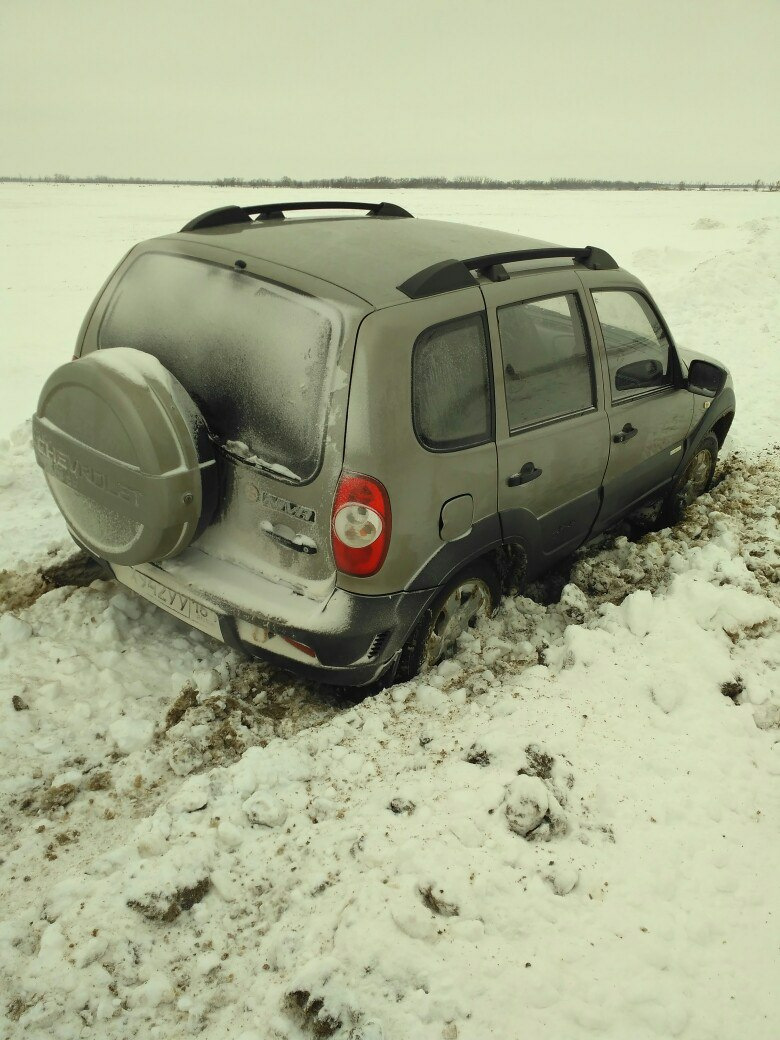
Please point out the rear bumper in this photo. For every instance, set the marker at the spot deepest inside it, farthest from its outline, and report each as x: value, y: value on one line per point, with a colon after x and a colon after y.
x: 361, y: 673
x: 357, y: 640
x: 354, y: 638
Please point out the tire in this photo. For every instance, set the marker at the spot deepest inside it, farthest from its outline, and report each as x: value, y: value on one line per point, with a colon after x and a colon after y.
x: 127, y: 456
x: 433, y: 639
x: 695, y: 480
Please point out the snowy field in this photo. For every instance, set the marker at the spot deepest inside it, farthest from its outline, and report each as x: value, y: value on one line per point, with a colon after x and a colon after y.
x: 570, y: 831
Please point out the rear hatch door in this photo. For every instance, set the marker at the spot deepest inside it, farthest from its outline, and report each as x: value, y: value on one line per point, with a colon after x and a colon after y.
x: 266, y: 353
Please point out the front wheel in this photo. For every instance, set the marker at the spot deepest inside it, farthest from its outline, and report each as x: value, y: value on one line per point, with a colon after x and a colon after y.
x: 694, y: 480
x: 471, y: 595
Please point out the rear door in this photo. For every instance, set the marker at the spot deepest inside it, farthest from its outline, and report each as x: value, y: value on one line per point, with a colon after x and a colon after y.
x: 551, y: 432
x: 649, y: 414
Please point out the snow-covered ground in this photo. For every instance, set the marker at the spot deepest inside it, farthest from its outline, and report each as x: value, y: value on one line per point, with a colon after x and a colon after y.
x: 569, y: 831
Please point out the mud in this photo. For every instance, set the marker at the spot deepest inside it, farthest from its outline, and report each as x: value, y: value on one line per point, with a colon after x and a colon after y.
x: 310, y: 1013
x: 21, y: 589
x: 100, y: 781
x: 539, y: 763
x: 733, y: 689
x: 18, y: 1006
x: 437, y: 904
x: 188, y: 698
x: 258, y: 703
x: 477, y: 756
x: 58, y: 797
x: 401, y: 806
x: 167, y: 909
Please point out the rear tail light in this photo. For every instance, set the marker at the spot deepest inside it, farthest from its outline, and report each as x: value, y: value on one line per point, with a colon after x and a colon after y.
x: 360, y: 525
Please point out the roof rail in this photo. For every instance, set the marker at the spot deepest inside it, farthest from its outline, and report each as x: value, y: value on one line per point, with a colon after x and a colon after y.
x: 456, y: 274
x: 276, y: 210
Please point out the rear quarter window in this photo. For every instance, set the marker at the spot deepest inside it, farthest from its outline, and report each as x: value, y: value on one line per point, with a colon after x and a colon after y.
x: 451, y: 401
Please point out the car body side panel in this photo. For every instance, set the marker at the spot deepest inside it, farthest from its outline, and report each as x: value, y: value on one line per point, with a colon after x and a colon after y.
x: 381, y: 442
x: 708, y: 413
x: 485, y: 536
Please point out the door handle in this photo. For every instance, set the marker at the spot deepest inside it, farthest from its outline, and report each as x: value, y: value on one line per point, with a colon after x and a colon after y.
x: 528, y: 473
x: 625, y: 434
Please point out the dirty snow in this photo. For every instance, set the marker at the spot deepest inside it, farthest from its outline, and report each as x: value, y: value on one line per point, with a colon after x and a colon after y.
x: 569, y: 830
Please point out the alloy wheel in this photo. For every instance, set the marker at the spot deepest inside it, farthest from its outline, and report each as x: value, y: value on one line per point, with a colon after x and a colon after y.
x: 697, y: 476
x: 461, y: 610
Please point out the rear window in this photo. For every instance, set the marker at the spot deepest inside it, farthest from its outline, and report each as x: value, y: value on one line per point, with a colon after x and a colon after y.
x: 256, y: 357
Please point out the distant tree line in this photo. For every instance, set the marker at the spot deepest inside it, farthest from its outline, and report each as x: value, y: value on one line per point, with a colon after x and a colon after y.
x: 470, y: 183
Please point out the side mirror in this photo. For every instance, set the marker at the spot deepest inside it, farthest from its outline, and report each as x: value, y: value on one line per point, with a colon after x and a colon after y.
x: 638, y: 374
x: 705, y: 378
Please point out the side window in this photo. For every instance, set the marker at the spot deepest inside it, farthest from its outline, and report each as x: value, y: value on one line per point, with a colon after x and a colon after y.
x: 547, y: 363
x: 450, y: 392
x: 637, y: 346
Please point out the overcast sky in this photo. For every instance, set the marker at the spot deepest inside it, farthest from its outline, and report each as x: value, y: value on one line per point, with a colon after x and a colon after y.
x: 657, y: 89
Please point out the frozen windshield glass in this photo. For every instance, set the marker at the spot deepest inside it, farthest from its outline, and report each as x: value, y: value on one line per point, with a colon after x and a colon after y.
x: 255, y: 356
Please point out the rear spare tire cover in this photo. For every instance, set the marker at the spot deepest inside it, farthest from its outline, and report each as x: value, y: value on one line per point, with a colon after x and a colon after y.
x: 127, y: 456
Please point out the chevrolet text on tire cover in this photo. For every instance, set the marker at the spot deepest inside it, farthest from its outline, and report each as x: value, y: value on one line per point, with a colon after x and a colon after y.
x: 336, y: 439
x: 125, y: 454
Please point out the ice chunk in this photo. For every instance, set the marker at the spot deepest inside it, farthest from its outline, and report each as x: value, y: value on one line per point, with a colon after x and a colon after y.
x: 13, y: 629
x: 157, y: 990
x: 265, y: 809
x: 191, y: 796
x: 131, y: 734
x: 526, y: 804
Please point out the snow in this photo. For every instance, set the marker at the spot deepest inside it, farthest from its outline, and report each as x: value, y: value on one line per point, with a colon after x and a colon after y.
x: 137, y: 367
x: 568, y: 830
x: 243, y: 451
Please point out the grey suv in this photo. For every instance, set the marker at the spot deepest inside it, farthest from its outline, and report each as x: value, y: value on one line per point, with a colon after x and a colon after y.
x: 335, y: 439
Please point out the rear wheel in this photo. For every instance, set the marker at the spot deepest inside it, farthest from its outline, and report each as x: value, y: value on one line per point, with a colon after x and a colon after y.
x: 471, y: 595
x: 695, y: 480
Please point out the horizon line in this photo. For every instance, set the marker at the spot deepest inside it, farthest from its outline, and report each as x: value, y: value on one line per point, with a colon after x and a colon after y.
x: 460, y: 182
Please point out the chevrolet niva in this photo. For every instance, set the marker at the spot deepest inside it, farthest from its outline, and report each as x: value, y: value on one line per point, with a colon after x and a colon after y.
x: 335, y: 439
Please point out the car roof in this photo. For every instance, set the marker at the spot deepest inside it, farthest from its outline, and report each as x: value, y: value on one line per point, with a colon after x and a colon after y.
x: 368, y: 256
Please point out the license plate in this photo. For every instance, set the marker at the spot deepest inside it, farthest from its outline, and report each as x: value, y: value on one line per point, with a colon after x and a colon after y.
x: 181, y: 604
